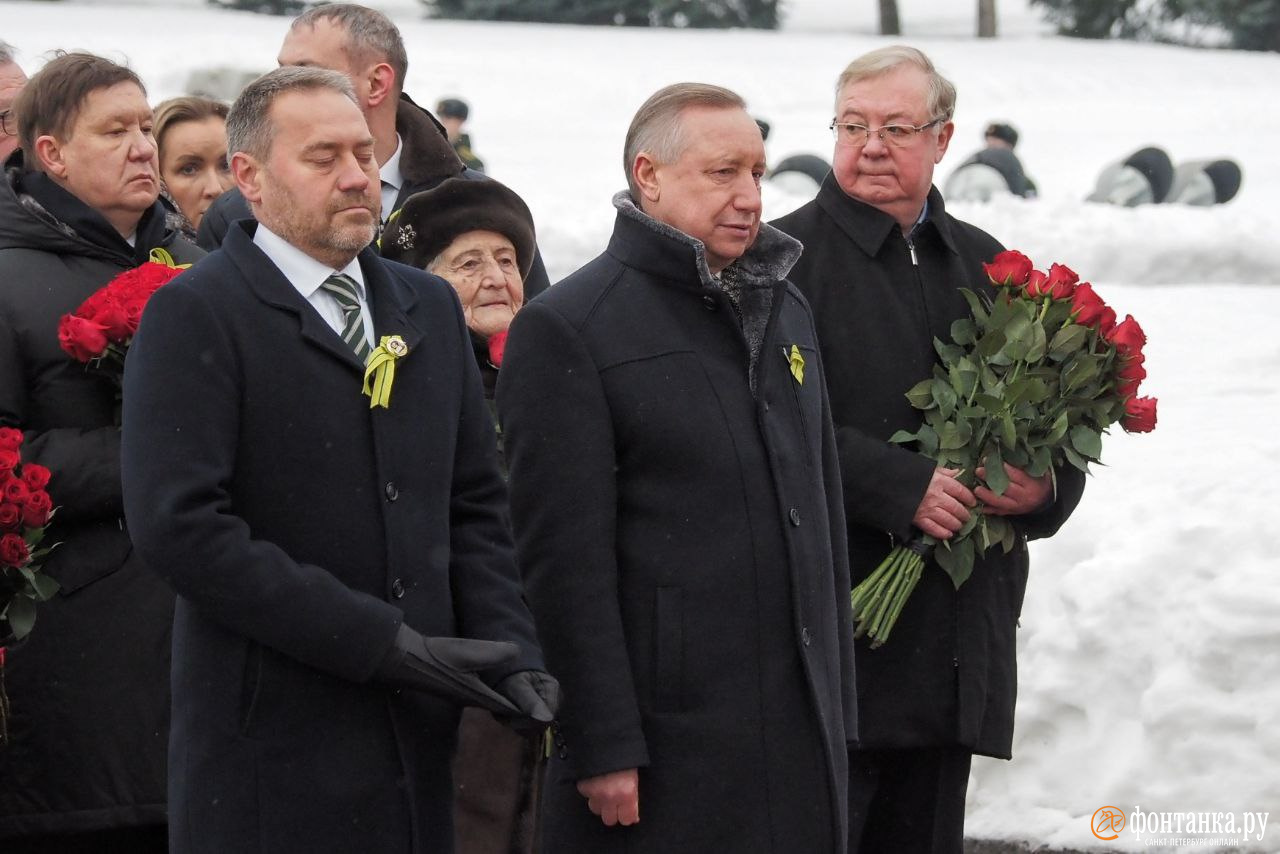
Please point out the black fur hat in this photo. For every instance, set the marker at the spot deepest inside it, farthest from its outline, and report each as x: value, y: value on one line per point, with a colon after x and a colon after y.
x: 432, y: 219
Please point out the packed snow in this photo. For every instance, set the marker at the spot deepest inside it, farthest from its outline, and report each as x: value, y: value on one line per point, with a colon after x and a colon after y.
x: 1150, y: 639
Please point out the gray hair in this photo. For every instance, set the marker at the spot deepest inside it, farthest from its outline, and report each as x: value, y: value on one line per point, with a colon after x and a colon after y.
x: 371, y: 37
x: 7, y: 52
x: 657, y: 129
x: 941, y: 98
x: 249, y: 127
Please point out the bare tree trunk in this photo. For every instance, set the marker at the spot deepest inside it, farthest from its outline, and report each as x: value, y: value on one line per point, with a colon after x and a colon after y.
x: 889, y: 25
x: 986, y: 19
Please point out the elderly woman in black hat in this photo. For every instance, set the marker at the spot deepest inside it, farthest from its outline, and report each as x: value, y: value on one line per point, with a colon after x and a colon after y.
x: 478, y: 235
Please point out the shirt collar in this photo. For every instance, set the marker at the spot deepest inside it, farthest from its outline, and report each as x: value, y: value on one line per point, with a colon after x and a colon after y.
x: 305, y: 273
x: 389, y: 172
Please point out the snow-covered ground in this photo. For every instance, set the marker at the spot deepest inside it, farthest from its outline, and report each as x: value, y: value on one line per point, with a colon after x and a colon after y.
x: 1150, y: 645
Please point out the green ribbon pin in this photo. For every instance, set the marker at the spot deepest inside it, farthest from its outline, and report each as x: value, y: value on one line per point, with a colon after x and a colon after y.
x: 797, y: 363
x: 160, y: 255
x: 380, y: 370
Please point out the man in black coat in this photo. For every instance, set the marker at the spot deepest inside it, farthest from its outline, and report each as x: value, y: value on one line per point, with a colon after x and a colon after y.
x: 324, y: 542
x: 84, y: 767
x: 882, y: 265
x: 677, y: 513
x: 413, y: 149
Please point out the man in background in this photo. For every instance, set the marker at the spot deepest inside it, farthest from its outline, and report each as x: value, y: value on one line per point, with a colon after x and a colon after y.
x: 12, y: 79
x: 453, y: 113
x: 882, y: 269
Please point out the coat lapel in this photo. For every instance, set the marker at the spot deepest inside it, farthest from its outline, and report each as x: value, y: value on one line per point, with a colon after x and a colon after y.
x: 269, y: 285
x: 391, y: 298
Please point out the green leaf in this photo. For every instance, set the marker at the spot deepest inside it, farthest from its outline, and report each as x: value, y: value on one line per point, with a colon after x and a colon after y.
x: 1081, y: 369
x: 1039, y: 343
x: 1008, y: 432
x: 964, y: 331
x: 996, y: 477
x: 921, y: 394
x: 978, y: 306
x: 991, y: 344
x: 21, y: 615
x: 902, y: 437
x: 928, y: 439
x: 1041, y: 461
x: 1069, y: 339
x: 954, y: 435
x: 948, y: 353
x: 945, y: 395
x: 46, y: 588
x: 1058, y: 430
x: 1075, y: 459
x: 1087, y: 441
x: 956, y: 559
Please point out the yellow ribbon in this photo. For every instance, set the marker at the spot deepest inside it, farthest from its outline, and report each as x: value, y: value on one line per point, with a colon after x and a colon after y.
x: 380, y: 370
x: 160, y: 255
x: 797, y: 364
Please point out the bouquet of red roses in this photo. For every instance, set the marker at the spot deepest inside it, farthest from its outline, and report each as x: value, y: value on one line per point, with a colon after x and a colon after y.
x: 25, y: 511
x: 1033, y: 379
x: 99, y: 331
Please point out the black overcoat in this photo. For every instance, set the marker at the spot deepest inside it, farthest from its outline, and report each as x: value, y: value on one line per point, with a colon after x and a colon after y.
x: 682, y: 545
x: 89, y: 687
x: 300, y: 527
x: 948, y: 675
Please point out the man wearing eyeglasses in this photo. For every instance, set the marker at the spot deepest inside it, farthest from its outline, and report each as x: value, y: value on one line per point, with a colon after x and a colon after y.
x: 12, y: 81
x: 882, y: 266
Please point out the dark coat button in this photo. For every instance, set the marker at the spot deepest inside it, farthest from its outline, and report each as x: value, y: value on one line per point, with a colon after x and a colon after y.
x: 391, y: 492
x: 795, y: 517
x: 709, y: 302
x: 805, y: 637
x: 397, y: 588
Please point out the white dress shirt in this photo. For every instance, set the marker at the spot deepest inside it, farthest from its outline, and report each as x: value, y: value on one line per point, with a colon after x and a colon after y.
x: 392, y: 180
x: 307, y: 275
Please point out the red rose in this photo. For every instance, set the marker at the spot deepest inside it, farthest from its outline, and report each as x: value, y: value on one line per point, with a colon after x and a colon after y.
x: 1037, y: 285
x: 1139, y: 415
x: 1086, y: 306
x: 1010, y: 268
x: 1128, y: 337
x: 114, y: 321
x: 35, y: 476
x: 10, y: 515
x: 36, y: 509
x: 497, y: 348
x: 1131, y: 373
x: 1107, y: 322
x: 1062, y: 281
x: 10, y: 438
x: 15, y: 491
x: 13, y: 550
x: 9, y: 459
x: 82, y: 339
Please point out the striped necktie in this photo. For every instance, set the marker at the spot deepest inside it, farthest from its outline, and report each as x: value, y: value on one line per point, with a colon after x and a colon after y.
x: 343, y: 289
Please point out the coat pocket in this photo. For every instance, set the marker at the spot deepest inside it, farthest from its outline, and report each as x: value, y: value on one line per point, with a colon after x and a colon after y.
x: 251, y: 686
x: 668, y: 654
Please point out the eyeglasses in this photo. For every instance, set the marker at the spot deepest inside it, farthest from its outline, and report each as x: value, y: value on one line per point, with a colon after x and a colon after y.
x: 850, y: 134
x: 9, y: 123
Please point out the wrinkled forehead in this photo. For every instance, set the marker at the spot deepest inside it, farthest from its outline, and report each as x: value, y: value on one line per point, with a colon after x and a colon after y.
x: 898, y: 93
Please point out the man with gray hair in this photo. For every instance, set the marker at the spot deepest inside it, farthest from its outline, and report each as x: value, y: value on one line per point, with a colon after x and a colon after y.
x: 882, y: 268
x: 677, y: 513
x: 309, y: 461
x: 412, y: 150
x: 12, y: 79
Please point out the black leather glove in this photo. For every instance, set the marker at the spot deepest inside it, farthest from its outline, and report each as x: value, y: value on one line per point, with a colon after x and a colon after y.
x: 536, y: 694
x: 446, y: 667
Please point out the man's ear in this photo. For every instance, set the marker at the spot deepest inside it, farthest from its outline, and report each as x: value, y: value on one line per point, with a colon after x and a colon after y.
x: 49, y: 157
x: 382, y: 81
x: 944, y: 139
x: 247, y: 172
x: 645, y: 172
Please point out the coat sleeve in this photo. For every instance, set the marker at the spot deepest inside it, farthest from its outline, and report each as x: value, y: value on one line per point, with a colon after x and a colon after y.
x: 559, y: 440
x: 181, y: 429
x: 883, y: 483
x: 487, y: 595
x: 1046, y: 521
x: 84, y: 462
